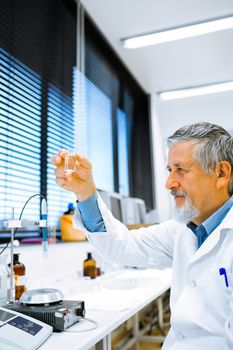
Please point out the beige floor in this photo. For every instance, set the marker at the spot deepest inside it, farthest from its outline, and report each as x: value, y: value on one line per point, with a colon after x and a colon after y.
x: 150, y: 346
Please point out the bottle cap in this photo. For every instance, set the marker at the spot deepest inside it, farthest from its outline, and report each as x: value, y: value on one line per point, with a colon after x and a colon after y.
x: 16, y: 257
x: 71, y: 206
x: 89, y: 255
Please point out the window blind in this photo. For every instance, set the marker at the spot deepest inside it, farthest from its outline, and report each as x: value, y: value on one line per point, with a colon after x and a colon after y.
x: 36, y: 113
x: 20, y: 109
x: 130, y: 153
x: 123, y: 152
x: 44, y: 108
x: 60, y: 135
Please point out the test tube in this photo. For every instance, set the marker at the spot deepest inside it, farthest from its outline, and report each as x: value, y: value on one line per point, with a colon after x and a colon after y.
x: 70, y: 164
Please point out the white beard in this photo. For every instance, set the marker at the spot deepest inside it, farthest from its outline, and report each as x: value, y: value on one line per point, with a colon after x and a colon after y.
x: 186, y: 213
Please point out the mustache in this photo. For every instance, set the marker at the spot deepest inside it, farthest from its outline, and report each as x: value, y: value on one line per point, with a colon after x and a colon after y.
x: 178, y: 193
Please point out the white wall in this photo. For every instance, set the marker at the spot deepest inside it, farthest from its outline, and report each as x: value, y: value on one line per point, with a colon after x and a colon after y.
x: 64, y: 264
x: 159, y: 164
x: 168, y: 116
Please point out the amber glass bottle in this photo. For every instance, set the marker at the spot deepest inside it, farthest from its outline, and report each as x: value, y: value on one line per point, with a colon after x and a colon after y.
x: 20, y: 277
x: 89, y: 266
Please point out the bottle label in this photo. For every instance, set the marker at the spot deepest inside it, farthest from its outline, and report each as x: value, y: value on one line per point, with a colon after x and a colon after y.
x: 20, y: 280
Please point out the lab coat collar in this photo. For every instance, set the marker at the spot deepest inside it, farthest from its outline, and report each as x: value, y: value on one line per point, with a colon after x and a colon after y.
x: 214, y: 237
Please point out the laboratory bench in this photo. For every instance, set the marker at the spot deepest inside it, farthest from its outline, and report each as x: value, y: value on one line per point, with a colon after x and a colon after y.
x: 110, y: 301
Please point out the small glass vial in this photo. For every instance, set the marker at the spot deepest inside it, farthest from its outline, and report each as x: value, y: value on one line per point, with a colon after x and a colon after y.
x: 70, y: 164
x: 89, y: 266
x: 3, y: 280
x: 20, y: 277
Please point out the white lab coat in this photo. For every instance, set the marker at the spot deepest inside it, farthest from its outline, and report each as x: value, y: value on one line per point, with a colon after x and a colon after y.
x: 201, y: 304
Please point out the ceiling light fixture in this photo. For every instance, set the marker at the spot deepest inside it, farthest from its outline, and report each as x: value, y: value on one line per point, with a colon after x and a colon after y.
x: 196, y: 91
x: 178, y: 33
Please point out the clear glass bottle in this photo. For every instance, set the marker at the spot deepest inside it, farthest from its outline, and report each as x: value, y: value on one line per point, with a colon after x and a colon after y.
x: 3, y: 279
x: 20, y: 276
x: 89, y: 266
x: 10, y: 288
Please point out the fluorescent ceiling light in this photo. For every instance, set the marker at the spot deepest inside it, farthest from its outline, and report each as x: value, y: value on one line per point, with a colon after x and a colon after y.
x: 178, y: 33
x: 197, y: 91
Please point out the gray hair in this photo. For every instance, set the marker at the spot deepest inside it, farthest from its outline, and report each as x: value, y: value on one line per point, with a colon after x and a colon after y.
x: 213, y: 144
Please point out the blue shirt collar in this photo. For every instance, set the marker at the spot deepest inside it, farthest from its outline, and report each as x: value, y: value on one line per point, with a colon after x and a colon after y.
x: 217, y: 217
x: 210, y: 224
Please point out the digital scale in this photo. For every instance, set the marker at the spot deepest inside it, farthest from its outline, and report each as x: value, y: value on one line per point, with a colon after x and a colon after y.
x: 21, y: 332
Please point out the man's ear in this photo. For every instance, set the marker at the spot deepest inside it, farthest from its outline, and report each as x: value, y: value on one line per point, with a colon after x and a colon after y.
x: 224, y: 173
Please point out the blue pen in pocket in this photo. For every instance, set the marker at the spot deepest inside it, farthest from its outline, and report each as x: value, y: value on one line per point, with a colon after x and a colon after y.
x: 222, y: 271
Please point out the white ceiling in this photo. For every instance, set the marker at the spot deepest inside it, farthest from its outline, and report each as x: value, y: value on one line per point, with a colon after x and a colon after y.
x: 185, y: 63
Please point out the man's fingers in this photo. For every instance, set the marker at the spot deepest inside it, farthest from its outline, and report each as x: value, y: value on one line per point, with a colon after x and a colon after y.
x: 60, y: 181
x: 83, y: 162
x: 56, y: 160
x: 63, y: 152
x: 61, y: 176
x: 59, y: 172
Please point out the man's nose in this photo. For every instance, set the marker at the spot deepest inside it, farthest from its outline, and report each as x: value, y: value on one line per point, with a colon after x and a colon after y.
x: 172, y: 182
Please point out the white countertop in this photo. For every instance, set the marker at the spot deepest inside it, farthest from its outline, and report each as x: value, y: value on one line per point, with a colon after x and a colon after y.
x: 109, y: 300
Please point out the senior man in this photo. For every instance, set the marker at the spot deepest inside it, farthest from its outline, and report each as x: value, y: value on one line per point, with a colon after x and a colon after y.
x: 197, y: 243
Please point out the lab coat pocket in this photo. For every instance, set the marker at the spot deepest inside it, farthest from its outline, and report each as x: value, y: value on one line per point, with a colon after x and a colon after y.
x: 217, y: 291
x: 218, y: 281
x: 226, y: 278
x: 228, y: 291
